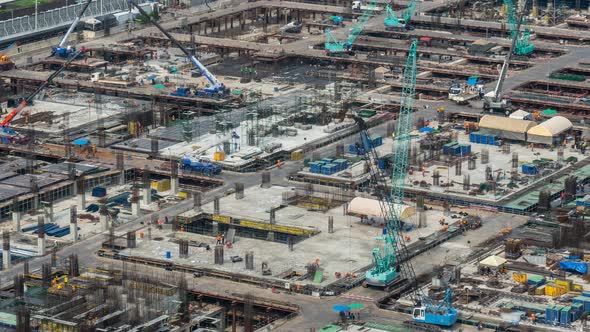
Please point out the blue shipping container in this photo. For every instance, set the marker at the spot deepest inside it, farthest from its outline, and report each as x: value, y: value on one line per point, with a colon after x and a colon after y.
x: 326, y: 160
x: 376, y: 140
x: 465, y: 149
x: 549, y: 314
x: 478, y: 138
x: 472, y: 137
x: 565, y: 316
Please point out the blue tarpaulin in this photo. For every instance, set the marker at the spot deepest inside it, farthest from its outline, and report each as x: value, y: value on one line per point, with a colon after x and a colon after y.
x: 81, y: 141
x: 151, y: 77
x: 341, y: 307
x: 426, y: 130
x: 572, y: 266
x: 472, y: 80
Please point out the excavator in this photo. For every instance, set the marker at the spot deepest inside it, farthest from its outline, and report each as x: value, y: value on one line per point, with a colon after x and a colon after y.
x: 7, y: 134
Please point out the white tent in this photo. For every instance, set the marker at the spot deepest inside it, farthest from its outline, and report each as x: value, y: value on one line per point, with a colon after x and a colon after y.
x: 371, y: 208
x: 520, y: 115
x: 493, y: 261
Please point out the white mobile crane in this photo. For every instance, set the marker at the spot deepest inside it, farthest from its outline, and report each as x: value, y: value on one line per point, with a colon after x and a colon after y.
x: 66, y: 51
x: 217, y: 88
x: 493, y: 101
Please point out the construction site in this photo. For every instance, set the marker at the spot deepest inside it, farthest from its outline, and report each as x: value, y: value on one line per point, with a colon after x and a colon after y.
x: 272, y: 165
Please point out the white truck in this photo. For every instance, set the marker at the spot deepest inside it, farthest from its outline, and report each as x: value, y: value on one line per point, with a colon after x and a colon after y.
x: 462, y: 94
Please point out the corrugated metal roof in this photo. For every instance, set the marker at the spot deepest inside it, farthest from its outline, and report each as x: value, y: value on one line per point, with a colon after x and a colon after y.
x: 506, y: 124
x: 552, y: 127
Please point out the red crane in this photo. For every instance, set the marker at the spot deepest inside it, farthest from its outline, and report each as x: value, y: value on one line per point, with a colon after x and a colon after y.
x: 6, y: 121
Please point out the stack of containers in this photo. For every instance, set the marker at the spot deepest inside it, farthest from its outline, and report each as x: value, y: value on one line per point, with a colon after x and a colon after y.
x: 479, y: 138
x: 535, y: 280
x: 565, y: 316
x: 342, y: 164
x: 329, y: 169
x: 549, y: 315
x: 584, y: 300
x: 577, y: 311
x: 554, y: 290
x: 316, y: 166
x: 465, y: 149
x: 449, y: 148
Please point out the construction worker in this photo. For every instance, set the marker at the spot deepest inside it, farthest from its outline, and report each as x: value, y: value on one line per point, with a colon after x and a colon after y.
x: 532, y: 147
x: 219, y: 239
x: 533, y: 318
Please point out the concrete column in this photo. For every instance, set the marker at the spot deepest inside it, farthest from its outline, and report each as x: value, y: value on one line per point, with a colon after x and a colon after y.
x: 270, y: 236
x: 147, y: 195
x: 82, y: 200
x: 74, y: 223
x: 16, y: 216
x: 104, y: 222
x: 74, y: 232
x: 215, y: 230
x: 174, y: 184
x: 135, y: 209
x: 122, y: 178
x: 50, y: 207
x: 41, y: 246
x: 6, y: 250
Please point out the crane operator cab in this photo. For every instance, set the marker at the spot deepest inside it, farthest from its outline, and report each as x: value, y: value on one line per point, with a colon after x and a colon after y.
x: 419, y: 314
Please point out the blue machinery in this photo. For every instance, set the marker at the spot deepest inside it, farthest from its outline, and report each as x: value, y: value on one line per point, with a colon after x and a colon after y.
x: 335, y: 47
x: 217, y: 88
x: 63, y: 51
x: 393, y: 23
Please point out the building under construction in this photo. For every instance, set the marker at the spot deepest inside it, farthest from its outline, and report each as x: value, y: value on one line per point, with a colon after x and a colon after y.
x: 294, y: 165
